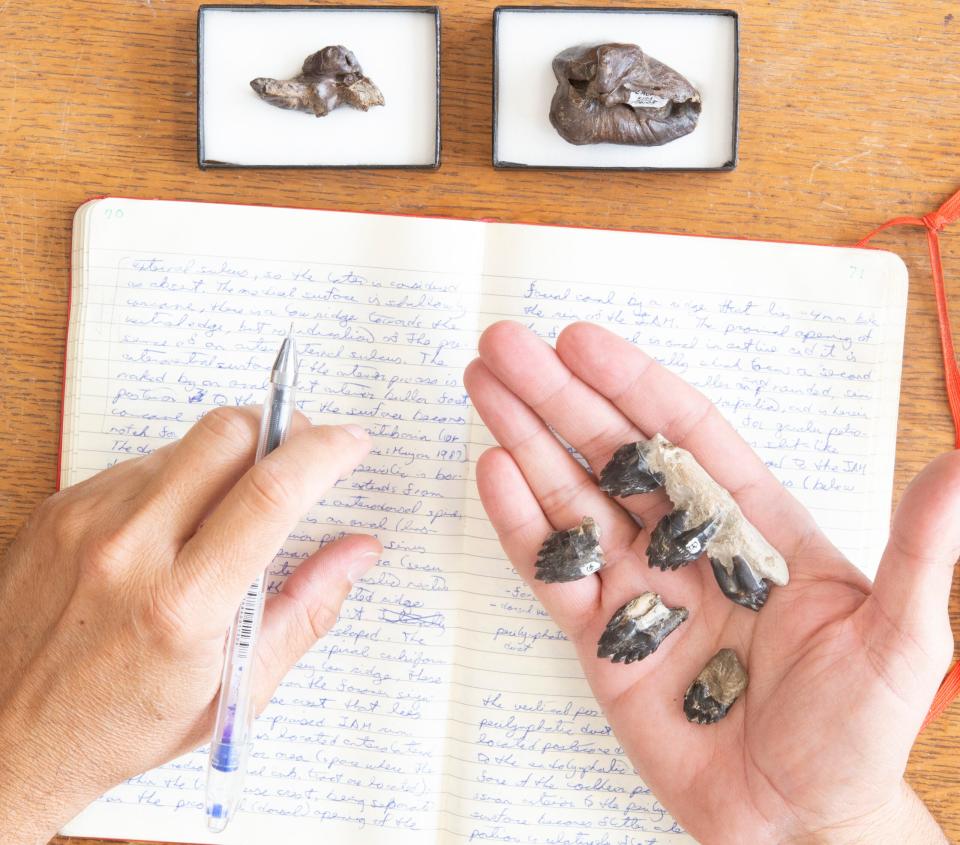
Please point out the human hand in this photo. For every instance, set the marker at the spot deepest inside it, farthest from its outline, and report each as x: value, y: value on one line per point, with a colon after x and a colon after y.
x: 841, y: 671
x: 117, y: 593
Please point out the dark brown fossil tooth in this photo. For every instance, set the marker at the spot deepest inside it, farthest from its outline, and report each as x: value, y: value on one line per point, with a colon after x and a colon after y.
x: 741, y: 585
x: 617, y: 94
x: 716, y: 688
x: 570, y: 555
x: 330, y: 77
x: 637, y: 629
x: 673, y: 545
x: 628, y: 473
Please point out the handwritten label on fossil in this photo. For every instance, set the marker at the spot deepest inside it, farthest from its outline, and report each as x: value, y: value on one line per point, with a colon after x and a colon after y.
x: 643, y: 100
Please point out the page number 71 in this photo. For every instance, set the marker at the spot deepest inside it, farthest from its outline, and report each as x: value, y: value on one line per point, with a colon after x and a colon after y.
x: 856, y: 272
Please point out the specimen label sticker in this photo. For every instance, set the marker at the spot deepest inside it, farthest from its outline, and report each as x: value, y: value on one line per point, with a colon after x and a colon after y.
x: 643, y: 100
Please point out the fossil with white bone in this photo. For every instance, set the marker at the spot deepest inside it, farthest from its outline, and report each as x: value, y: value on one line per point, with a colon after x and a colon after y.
x: 705, y: 520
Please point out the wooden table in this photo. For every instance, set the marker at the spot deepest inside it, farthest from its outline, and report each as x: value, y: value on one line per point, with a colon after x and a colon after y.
x: 849, y: 115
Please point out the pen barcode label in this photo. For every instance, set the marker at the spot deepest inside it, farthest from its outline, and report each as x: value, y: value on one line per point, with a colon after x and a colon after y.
x: 247, y: 618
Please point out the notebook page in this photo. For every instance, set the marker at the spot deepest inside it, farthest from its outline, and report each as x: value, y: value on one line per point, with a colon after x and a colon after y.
x: 521, y: 753
x: 183, y: 309
x: 801, y: 348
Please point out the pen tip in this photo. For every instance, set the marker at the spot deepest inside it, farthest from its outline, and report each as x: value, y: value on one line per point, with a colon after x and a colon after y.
x: 285, y: 366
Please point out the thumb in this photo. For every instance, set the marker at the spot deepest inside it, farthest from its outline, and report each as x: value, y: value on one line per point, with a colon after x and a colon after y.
x: 912, y: 588
x: 308, y: 607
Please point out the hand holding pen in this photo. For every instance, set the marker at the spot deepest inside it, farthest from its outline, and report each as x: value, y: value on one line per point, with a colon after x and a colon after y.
x: 115, y: 597
x: 119, y: 656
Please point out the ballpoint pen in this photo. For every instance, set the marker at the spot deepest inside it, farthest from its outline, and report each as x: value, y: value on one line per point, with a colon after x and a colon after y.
x: 232, y: 730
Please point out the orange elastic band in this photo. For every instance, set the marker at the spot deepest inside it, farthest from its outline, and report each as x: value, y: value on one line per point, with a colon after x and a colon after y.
x: 935, y: 223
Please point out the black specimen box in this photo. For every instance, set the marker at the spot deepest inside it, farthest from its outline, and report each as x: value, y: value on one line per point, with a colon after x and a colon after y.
x: 700, y: 44
x: 398, y: 48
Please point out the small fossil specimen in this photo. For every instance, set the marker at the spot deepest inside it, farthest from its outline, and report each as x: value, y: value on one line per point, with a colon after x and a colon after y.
x: 570, y: 555
x: 628, y: 472
x: 741, y: 585
x: 330, y: 77
x: 673, y: 545
x: 711, y: 695
x: 706, y: 518
x: 637, y: 629
x: 616, y: 93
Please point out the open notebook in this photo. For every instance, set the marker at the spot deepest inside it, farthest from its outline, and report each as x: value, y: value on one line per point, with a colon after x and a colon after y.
x: 445, y: 707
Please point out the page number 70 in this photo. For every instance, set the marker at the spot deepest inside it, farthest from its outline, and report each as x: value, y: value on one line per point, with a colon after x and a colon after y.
x: 113, y: 213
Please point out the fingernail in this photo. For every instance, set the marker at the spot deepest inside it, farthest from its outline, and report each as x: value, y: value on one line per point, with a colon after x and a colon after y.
x: 356, y: 431
x: 361, y: 565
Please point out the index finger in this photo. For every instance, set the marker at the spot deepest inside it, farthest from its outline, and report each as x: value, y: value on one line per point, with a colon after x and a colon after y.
x: 202, y: 466
x: 247, y: 529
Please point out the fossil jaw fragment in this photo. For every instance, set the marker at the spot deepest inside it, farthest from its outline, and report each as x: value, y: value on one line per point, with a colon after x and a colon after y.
x: 706, y: 518
x: 570, y: 555
x: 637, y: 629
x: 715, y: 689
x: 330, y: 77
x: 615, y: 93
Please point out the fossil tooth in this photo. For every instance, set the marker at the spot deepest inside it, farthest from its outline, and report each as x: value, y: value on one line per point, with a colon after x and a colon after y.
x: 673, y: 545
x: 637, y: 629
x: 330, y: 77
x: 741, y: 585
x: 715, y: 689
x: 570, y: 555
x: 615, y: 93
x: 628, y: 472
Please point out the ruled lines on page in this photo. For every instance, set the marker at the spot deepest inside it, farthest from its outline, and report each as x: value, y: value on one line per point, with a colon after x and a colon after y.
x: 445, y: 706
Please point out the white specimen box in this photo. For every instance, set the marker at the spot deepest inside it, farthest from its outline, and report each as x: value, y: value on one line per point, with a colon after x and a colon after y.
x: 700, y: 44
x: 398, y: 48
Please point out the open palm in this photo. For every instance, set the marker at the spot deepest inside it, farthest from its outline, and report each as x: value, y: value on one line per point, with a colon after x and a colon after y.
x: 841, y: 671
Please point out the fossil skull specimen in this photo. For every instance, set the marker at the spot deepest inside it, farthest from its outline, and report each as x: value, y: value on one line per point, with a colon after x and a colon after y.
x: 329, y: 78
x: 615, y: 93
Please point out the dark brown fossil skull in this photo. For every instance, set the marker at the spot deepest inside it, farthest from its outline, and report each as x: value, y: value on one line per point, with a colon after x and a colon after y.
x: 617, y: 94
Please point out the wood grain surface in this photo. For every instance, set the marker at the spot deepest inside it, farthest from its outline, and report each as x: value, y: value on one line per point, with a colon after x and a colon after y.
x: 849, y: 115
